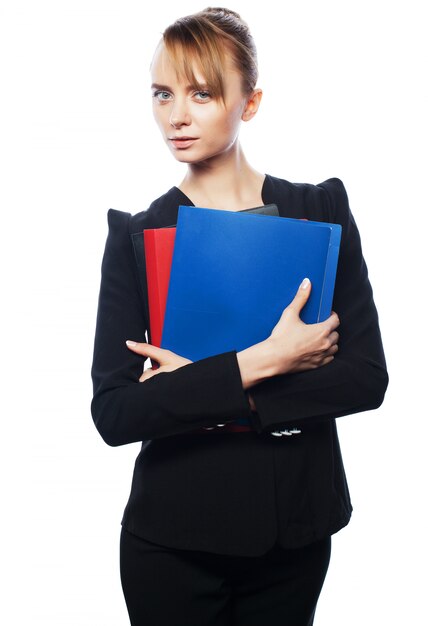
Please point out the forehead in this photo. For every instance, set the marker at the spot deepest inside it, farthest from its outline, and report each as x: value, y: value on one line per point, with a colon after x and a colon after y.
x: 164, y: 68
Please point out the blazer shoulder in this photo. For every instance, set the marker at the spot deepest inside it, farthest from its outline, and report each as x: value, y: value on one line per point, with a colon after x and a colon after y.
x: 118, y: 220
x: 334, y: 188
x: 118, y: 228
x: 309, y: 200
x: 336, y: 200
x: 333, y: 185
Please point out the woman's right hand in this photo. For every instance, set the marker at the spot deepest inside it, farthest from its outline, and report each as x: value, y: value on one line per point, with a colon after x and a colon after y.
x: 296, y: 346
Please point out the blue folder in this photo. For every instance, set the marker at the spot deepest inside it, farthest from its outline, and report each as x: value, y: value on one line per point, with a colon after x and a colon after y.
x: 233, y: 274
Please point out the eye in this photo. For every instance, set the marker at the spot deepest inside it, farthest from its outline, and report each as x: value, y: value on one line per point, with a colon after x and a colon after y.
x: 161, y: 96
x: 202, y: 95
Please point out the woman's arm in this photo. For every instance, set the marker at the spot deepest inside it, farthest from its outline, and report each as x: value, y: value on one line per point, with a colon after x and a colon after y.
x: 124, y: 410
x: 356, y: 379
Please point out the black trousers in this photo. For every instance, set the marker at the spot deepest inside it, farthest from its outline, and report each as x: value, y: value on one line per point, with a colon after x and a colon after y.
x: 170, y: 587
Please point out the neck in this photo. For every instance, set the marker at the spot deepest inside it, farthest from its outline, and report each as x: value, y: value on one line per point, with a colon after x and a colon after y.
x: 227, y: 181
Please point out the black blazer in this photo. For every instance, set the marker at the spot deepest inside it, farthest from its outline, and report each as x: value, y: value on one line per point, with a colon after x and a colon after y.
x: 234, y: 493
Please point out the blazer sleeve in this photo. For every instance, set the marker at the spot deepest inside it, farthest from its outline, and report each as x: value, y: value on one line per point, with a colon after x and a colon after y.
x: 125, y: 410
x: 356, y: 380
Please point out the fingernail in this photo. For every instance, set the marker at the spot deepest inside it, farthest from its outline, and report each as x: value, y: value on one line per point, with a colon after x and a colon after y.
x: 131, y: 343
x: 305, y: 283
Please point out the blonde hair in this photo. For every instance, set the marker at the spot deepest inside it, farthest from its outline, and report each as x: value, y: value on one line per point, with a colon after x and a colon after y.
x: 206, y: 38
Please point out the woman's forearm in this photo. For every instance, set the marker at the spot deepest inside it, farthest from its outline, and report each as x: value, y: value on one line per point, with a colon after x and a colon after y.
x: 255, y: 364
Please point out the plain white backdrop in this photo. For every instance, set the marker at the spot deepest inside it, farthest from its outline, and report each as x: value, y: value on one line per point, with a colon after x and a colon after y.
x: 344, y: 96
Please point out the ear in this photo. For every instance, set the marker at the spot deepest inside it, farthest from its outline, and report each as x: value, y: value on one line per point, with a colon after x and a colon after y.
x: 252, y: 105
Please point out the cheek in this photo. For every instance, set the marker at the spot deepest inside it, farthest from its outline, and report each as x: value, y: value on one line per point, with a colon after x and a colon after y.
x: 235, y: 118
x: 228, y: 128
x: 218, y: 127
x: 160, y: 115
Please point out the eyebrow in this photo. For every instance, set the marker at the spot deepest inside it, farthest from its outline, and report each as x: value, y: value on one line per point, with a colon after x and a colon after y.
x: 189, y: 87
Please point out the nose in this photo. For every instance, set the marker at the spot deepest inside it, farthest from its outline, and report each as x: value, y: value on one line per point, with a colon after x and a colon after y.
x: 179, y: 115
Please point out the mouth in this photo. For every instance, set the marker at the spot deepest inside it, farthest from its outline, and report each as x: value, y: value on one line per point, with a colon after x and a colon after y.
x: 182, y: 142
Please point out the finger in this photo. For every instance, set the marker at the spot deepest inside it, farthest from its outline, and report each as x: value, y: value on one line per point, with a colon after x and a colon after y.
x: 332, y: 322
x: 327, y: 360
x: 144, y: 375
x: 301, y: 296
x: 148, y: 373
x: 146, y: 349
x: 332, y: 350
x: 334, y: 338
x: 335, y: 319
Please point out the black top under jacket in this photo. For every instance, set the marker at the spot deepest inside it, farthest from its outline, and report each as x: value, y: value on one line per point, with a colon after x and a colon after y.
x: 234, y: 493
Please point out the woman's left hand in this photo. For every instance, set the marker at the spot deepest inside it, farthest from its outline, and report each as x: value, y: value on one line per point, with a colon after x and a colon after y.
x: 168, y: 360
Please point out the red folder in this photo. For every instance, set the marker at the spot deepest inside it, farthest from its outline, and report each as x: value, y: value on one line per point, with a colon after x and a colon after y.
x: 158, y: 248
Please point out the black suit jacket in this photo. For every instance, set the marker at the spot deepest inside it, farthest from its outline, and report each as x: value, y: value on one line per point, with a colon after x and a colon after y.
x: 234, y: 493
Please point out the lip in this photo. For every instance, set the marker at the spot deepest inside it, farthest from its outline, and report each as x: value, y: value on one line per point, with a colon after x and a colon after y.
x: 182, y: 142
x: 182, y: 137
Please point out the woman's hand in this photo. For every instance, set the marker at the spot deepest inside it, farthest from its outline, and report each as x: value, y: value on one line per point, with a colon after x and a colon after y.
x: 168, y: 361
x: 297, y: 346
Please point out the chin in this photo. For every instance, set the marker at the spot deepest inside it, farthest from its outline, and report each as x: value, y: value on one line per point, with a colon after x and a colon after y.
x: 185, y: 156
x: 183, y: 159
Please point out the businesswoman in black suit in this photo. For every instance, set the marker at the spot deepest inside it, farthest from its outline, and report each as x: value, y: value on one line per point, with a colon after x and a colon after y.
x: 226, y: 525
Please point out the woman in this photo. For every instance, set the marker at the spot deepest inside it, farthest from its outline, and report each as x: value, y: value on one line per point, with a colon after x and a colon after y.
x: 225, y: 527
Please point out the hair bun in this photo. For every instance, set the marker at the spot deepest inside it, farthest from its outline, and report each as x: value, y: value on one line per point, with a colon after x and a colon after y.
x: 223, y: 11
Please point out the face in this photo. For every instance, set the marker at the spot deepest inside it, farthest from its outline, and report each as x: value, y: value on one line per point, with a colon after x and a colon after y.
x: 196, y: 126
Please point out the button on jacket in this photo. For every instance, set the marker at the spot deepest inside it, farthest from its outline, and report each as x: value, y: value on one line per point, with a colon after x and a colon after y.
x: 234, y: 493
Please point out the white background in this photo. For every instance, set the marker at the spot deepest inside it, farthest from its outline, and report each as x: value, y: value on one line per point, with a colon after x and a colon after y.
x: 344, y: 96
